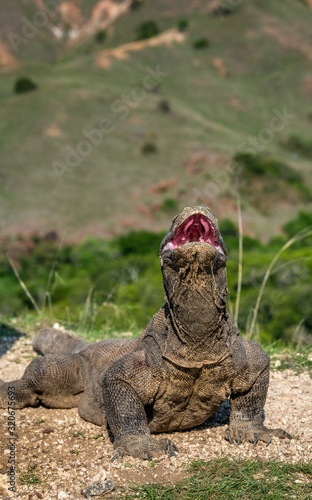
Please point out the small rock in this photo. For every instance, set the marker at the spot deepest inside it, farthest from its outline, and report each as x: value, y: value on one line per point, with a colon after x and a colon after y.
x: 277, y: 364
x: 62, y: 495
x: 98, y: 488
x: 100, y: 476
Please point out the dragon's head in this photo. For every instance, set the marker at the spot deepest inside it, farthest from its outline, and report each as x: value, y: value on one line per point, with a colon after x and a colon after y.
x: 193, y: 260
x: 194, y: 232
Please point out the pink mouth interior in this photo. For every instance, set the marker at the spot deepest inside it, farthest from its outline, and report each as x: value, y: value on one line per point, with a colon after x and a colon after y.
x: 196, y: 228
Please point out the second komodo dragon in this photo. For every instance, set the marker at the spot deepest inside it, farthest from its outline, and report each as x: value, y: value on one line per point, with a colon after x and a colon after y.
x: 189, y: 359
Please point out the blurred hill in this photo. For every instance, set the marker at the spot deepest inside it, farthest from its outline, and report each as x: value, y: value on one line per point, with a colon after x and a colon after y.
x: 138, y: 108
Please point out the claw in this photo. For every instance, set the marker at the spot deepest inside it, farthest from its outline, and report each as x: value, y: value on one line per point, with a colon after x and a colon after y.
x: 228, y: 436
x: 172, y: 450
x: 256, y: 439
x: 239, y: 437
x: 149, y: 457
x: 118, y: 453
x: 269, y: 440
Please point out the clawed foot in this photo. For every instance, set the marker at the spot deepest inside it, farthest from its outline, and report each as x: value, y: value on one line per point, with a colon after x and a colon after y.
x: 253, y: 435
x: 145, y: 447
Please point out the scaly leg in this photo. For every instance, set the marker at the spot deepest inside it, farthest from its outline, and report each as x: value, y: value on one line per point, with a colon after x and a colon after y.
x: 247, y: 408
x: 54, y: 380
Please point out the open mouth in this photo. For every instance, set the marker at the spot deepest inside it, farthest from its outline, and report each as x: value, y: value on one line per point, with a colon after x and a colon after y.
x: 196, y: 228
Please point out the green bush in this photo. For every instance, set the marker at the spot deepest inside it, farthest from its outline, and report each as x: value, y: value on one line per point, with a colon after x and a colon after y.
x: 201, y: 43
x: 147, y: 29
x: 139, y: 242
x: 228, y: 229
x: 135, y: 4
x: 24, y: 84
x: 100, y: 36
x: 164, y: 106
x: 223, y: 10
x: 183, y: 25
x: 301, y: 222
x: 268, y: 169
x: 144, y: 297
x: 170, y: 204
x: 266, y: 166
x: 298, y: 145
x: 149, y: 148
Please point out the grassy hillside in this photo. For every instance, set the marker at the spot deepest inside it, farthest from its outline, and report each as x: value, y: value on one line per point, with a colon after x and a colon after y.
x: 167, y: 143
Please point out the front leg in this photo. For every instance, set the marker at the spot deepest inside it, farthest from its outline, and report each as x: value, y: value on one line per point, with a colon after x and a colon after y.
x: 128, y: 385
x: 247, y: 407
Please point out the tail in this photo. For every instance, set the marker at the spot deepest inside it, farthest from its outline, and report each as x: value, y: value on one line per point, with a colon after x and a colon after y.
x: 52, y: 341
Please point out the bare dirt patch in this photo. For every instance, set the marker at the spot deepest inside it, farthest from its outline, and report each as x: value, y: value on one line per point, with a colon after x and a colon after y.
x: 53, y: 130
x: 7, y: 61
x: 106, y: 57
x: 64, y: 453
x: 289, y: 40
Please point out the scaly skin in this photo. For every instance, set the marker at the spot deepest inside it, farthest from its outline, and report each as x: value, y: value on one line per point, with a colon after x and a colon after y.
x: 188, y: 360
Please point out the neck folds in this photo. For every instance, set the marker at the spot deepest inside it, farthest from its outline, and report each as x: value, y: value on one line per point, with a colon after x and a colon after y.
x: 196, y: 311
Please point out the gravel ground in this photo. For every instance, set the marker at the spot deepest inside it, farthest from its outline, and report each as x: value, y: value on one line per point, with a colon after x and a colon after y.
x: 58, y: 454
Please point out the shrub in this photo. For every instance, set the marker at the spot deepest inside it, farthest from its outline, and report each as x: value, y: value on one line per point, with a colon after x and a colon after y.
x: 147, y: 29
x: 183, y: 25
x: 230, y: 235
x: 100, y: 36
x: 139, y: 242
x: 135, y: 4
x: 302, y: 221
x: 24, y: 84
x: 228, y: 229
x: 170, y: 204
x: 201, y: 43
x: 266, y: 166
x: 223, y: 10
x: 149, y: 148
x: 164, y: 106
x: 297, y: 144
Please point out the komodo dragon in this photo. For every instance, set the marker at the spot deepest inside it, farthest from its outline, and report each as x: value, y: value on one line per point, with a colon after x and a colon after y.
x: 189, y: 359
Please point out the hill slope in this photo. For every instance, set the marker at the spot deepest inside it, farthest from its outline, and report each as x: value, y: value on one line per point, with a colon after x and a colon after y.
x: 121, y: 135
